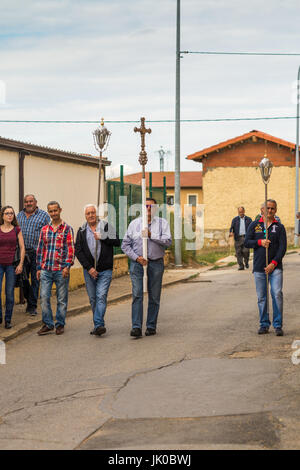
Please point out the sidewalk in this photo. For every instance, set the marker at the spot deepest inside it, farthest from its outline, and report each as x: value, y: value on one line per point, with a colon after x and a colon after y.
x: 120, y: 289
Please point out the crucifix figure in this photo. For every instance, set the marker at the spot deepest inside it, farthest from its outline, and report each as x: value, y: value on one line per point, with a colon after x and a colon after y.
x: 143, y: 161
x: 143, y: 154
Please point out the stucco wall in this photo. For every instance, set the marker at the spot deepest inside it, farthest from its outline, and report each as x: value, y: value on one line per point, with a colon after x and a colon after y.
x: 184, y: 195
x: 225, y: 189
x: 10, y: 178
x: 72, y: 185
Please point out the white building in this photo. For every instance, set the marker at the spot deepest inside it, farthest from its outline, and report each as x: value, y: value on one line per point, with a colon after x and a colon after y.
x: 50, y: 174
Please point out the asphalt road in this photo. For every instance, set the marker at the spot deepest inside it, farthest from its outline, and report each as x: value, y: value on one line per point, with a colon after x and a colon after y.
x: 205, y: 381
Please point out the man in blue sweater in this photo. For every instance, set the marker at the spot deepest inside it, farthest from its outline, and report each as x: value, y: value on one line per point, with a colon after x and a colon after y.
x: 276, y: 244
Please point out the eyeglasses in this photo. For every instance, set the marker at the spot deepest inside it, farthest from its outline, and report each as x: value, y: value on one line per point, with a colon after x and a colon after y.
x: 8, y: 213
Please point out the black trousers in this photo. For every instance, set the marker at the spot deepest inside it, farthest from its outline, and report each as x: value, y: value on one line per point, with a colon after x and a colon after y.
x: 242, y: 253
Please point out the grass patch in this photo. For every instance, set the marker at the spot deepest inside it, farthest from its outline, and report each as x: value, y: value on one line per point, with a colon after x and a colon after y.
x: 211, y: 255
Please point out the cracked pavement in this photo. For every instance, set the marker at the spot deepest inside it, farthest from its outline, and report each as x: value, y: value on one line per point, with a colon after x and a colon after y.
x: 206, y: 380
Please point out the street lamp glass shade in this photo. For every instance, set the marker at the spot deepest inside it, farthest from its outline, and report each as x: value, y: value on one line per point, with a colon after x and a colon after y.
x: 101, y: 137
x: 266, y: 169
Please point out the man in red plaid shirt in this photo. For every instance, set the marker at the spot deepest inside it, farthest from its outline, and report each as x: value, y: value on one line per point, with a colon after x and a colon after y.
x: 55, y: 256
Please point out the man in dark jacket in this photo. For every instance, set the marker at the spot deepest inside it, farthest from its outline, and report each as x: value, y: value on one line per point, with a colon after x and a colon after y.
x: 298, y: 217
x: 238, y: 229
x: 276, y: 244
x: 96, y: 240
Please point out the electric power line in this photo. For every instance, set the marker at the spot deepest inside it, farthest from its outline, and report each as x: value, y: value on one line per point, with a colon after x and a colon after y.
x: 242, y: 53
x: 265, y: 118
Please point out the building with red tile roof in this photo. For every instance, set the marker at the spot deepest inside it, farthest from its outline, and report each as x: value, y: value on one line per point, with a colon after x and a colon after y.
x: 190, y: 182
x: 231, y: 178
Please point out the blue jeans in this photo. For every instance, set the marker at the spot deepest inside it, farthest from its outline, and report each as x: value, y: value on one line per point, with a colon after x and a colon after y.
x: 155, y: 270
x: 10, y: 279
x: 31, y: 289
x: 62, y: 285
x: 97, y: 291
x: 276, y: 281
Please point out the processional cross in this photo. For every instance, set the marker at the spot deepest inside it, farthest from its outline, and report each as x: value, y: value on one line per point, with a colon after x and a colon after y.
x: 143, y: 154
x: 143, y: 161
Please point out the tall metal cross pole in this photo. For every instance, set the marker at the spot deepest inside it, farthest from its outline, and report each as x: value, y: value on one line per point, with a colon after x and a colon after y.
x: 143, y: 161
x: 266, y: 169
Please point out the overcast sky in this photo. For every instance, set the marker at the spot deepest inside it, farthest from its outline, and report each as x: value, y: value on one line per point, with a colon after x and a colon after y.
x: 87, y: 59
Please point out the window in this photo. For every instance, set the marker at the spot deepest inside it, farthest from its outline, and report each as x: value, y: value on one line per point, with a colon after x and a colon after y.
x: 170, y: 200
x: 192, y: 200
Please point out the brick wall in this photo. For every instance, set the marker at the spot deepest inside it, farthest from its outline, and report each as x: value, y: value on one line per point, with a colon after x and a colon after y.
x: 249, y: 154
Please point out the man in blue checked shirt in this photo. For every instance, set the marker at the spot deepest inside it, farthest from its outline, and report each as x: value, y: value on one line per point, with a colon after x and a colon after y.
x: 159, y: 238
x: 31, y: 220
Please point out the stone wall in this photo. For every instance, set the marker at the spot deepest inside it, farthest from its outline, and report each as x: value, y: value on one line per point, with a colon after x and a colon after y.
x: 220, y: 238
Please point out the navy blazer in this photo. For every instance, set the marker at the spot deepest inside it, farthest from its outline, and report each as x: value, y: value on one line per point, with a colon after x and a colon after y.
x: 235, y: 225
x: 277, y: 248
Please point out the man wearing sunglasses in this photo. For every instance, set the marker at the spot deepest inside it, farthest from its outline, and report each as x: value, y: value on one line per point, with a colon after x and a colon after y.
x: 159, y: 237
x: 276, y: 244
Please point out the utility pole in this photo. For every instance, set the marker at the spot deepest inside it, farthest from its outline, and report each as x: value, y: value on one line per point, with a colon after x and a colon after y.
x: 177, y: 212
x: 297, y: 165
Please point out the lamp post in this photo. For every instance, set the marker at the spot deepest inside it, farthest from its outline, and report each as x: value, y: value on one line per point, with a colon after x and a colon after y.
x: 297, y: 164
x: 266, y: 169
x: 101, y: 138
x: 177, y: 209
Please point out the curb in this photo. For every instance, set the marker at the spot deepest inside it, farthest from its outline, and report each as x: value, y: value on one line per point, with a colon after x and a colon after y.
x: 27, y: 326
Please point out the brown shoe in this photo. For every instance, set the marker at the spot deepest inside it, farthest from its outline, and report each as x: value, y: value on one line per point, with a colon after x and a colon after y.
x: 100, y: 331
x: 45, y: 330
x: 59, y: 330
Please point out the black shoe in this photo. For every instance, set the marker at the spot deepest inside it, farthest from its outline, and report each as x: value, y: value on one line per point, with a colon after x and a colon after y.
x: 99, y: 331
x: 150, y: 332
x: 279, y: 331
x: 0, y: 321
x: 241, y: 268
x: 7, y: 325
x: 246, y: 265
x: 32, y: 313
x: 136, y: 332
x: 263, y: 331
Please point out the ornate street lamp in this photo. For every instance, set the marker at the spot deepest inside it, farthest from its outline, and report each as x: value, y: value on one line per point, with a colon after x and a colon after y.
x: 101, y: 138
x: 266, y: 169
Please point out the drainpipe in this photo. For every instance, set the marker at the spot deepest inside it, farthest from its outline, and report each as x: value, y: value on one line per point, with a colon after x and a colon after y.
x: 21, y: 179
x: 22, y: 155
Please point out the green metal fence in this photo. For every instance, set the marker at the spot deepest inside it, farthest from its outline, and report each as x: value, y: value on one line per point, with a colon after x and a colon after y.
x: 122, y: 198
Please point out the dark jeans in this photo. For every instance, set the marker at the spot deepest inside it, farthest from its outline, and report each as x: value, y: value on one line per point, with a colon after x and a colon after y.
x: 31, y: 288
x: 155, y: 272
x: 10, y: 279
